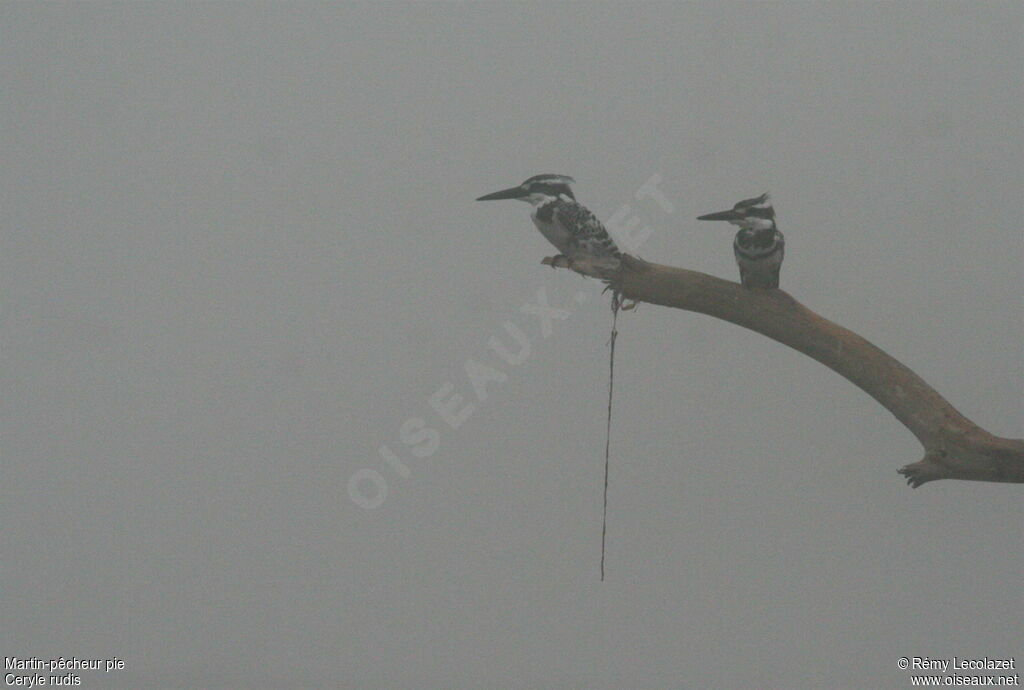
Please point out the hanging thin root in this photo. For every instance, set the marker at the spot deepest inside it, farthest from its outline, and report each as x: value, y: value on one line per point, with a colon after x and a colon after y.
x: 618, y: 301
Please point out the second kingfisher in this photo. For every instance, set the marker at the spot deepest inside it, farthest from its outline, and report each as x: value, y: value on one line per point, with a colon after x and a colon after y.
x: 759, y: 246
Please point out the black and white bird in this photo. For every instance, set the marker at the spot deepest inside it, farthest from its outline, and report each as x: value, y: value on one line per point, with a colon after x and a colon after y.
x: 565, y: 222
x: 759, y: 246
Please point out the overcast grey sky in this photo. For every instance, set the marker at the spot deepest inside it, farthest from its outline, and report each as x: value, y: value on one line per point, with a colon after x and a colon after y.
x: 241, y: 251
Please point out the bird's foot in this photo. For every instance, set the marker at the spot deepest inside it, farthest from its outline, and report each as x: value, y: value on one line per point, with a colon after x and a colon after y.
x: 557, y: 261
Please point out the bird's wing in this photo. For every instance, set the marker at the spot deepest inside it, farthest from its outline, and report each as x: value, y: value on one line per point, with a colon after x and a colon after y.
x: 587, y: 232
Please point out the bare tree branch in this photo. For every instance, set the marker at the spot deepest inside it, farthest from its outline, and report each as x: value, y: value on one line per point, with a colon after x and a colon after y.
x: 955, y: 447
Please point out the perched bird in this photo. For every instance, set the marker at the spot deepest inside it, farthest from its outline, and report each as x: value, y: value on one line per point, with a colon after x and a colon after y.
x: 759, y: 246
x: 565, y: 222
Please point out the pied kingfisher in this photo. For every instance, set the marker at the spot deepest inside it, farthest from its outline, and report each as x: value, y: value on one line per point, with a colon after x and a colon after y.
x: 565, y: 222
x: 759, y: 246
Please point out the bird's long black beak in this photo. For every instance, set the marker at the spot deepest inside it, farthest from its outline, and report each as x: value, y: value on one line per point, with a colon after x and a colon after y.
x: 510, y: 193
x: 731, y: 214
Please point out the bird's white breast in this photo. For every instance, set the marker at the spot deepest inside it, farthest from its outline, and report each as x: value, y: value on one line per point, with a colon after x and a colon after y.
x: 555, y: 233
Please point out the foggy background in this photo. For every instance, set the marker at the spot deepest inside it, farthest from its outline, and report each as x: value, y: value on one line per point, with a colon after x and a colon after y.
x: 240, y: 251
